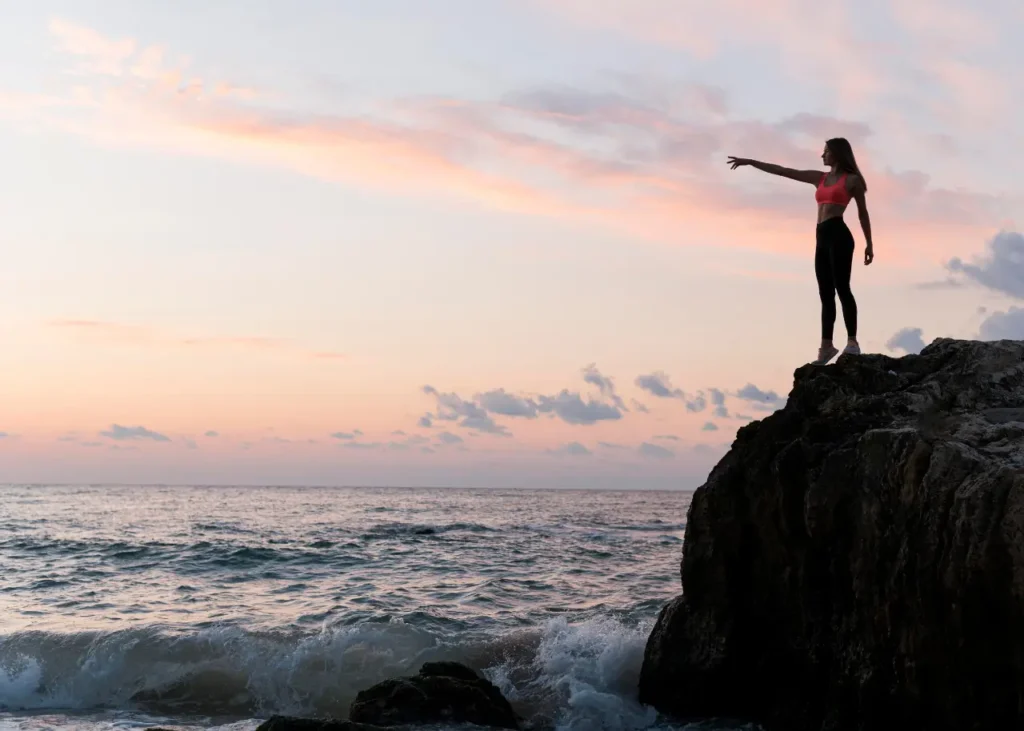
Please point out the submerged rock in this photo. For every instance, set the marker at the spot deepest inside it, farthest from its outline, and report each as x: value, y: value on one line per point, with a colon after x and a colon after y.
x: 856, y: 561
x: 442, y: 692
x: 288, y: 723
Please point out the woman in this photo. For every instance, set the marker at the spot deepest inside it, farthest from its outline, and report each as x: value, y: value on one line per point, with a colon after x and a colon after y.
x: 833, y: 255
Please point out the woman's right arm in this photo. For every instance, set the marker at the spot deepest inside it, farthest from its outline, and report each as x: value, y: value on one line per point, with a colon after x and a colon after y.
x: 804, y: 176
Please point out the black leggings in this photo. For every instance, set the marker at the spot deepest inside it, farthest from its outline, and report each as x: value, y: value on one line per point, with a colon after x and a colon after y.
x: 833, y: 260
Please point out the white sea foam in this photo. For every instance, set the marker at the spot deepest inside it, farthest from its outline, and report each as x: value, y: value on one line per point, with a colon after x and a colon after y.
x: 569, y: 676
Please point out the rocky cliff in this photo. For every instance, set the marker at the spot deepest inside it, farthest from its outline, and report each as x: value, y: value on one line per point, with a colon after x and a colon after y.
x: 857, y: 560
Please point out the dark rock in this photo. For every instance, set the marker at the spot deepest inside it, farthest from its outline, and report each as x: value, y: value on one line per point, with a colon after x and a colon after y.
x: 450, y: 670
x: 287, y: 723
x: 441, y: 693
x: 857, y: 560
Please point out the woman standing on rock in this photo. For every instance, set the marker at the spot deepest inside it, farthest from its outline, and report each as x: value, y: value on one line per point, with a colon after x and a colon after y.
x: 833, y: 255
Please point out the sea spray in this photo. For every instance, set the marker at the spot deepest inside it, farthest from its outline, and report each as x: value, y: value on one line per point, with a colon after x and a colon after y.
x: 578, y: 675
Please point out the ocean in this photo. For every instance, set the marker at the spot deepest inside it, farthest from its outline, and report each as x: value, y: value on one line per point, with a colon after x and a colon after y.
x: 200, y: 607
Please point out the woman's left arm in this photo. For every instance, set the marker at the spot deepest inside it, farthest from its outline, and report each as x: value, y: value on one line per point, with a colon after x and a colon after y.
x: 865, y: 220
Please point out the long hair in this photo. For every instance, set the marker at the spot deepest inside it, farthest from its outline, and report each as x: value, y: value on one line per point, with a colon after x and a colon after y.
x: 842, y: 153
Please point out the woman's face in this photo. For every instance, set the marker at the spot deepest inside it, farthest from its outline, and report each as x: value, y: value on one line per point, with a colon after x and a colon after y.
x: 826, y: 156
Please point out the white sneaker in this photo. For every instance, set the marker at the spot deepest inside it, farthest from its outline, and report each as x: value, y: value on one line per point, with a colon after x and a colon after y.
x: 825, y: 355
x: 852, y: 349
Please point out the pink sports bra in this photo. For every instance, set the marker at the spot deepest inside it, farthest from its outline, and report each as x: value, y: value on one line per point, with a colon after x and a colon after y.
x: 834, y: 194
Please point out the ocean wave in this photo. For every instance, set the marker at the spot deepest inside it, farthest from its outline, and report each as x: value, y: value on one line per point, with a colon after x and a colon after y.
x: 213, y: 553
x: 563, y: 675
x: 402, y: 530
x: 656, y: 525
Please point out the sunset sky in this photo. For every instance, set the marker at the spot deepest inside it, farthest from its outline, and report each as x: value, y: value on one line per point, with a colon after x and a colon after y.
x: 473, y: 242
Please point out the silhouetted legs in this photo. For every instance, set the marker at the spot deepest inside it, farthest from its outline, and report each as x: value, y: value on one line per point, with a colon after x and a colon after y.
x: 833, y: 263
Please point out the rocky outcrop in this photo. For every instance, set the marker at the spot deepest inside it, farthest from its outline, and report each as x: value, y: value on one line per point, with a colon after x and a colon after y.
x: 856, y: 561
x: 443, y: 692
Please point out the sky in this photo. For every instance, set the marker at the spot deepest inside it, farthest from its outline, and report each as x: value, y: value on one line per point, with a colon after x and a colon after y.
x: 482, y: 243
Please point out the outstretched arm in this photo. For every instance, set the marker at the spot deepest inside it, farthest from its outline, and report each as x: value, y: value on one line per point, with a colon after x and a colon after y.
x: 865, y: 220
x: 804, y: 176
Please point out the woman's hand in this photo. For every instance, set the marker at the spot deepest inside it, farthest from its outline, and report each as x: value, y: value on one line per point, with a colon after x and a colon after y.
x: 869, y: 255
x: 735, y: 162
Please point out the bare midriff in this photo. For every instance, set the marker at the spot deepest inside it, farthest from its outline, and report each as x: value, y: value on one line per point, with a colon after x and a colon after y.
x: 829, y: 210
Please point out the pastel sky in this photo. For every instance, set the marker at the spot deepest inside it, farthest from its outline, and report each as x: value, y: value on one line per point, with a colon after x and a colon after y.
x: 473, y: 242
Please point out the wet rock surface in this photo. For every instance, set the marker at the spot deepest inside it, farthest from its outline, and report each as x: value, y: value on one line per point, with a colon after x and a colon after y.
x: 441, y: 692
x: 288, y: 723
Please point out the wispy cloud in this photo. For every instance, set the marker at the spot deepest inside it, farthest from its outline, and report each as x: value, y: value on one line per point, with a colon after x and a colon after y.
x: 139, y: 67
x: 131, y: 433
x: 572, y: 449
x: 572, y: 407
x: 467, y: 413
x: 660, y: 385
x: 403, y: 443
x: 659, y: 172
x: 947, y: 283
x: 719, y: 409
x: 604, y: 384
x: 480, y: 413
x: 502, y: 403
x: 761, y: 400
x: 655, y: 451
x: 930, y: 52
x: 98, y: 54
x: 697, y: 404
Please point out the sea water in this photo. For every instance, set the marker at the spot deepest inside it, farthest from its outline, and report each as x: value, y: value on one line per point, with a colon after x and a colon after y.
x: 194, y: 607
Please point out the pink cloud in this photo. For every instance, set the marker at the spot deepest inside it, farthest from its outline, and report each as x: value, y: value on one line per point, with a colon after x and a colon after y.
x: 646, y: 163
x: 821, y: 42
x: 791, y: 29
x: 374, y: 154
x: 946, y: 24
x: 101, y: 55
x: 127, y: 59
x: 656, y: 20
